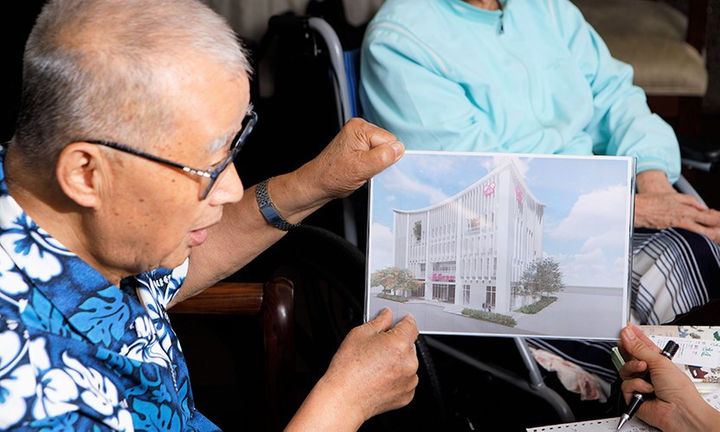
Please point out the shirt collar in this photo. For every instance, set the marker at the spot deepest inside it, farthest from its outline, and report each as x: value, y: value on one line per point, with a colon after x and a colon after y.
x: 473, y: 13
x: 71, y: 285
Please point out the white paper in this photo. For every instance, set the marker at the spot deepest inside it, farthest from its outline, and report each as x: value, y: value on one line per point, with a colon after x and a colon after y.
x: 458, y: 241
x: 713, y: 399
x: 603, y: 425
x: 694, y: 352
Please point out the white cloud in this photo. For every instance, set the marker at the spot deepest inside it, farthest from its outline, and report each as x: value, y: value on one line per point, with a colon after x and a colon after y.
x: 594, y: 214
x: 600, y: 262
x: 381, y: 242
x: 398, y: 180
x: 592, y: 268
x: 597, y: 219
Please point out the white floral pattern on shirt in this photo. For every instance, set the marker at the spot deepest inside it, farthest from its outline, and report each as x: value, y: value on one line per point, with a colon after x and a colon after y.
x: 78, y: 353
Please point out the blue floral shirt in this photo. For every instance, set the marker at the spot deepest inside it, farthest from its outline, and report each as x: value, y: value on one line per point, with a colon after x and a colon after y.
x: 78, y: 353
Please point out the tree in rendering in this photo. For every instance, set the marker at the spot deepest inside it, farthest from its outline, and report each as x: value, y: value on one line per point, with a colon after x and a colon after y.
x: 395, y: 280
x: 542, y: 276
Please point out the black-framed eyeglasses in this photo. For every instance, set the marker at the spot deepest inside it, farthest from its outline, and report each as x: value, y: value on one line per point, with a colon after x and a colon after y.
x: 211, y: 174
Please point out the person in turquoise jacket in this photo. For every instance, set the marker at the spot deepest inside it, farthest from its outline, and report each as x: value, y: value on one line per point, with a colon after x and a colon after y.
x: 523, y: 76
x: 532, y: 76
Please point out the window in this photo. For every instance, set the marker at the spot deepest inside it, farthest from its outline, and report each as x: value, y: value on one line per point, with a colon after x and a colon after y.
x: 444, y: 293
x: 466, y: 294
x: 490, y: 297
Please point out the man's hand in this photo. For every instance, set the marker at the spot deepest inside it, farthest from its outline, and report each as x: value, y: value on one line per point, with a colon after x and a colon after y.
x: 659, y: 205
x: 373, y: 371
x: 678, y: 406
x: 359, y: 151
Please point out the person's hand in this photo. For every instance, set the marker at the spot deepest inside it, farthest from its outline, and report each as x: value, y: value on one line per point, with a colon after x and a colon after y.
x: 373, y: 371
x: 376, y: 365
x: 673, y: 209
x: 359, y: 151
x: 677, y: 406
x: 659, y: 205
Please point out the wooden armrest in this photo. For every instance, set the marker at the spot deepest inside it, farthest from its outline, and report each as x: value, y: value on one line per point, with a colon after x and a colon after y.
x: 225, y: 298
x: 274, y: 301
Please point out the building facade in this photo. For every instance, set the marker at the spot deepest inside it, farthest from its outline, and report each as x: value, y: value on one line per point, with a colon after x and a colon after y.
x: 473, y: 248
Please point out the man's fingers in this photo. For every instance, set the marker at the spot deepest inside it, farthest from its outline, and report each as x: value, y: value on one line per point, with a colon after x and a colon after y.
x: 385, y: 148
x: 407, y: 327
x: 382, y: 322
x: 382, y: 156
x: 376, y: 135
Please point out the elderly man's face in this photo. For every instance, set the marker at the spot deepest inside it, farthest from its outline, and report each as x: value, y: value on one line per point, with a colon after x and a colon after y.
x: 156, y: 216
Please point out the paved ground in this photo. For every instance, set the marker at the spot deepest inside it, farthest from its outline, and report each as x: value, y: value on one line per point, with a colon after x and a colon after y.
x: 573, y: 314
x: 576, y: 314
x: 433, y: 317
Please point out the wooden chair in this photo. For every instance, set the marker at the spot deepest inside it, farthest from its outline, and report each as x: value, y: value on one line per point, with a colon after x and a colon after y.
x: 272, y: 300
x: 664, y: 46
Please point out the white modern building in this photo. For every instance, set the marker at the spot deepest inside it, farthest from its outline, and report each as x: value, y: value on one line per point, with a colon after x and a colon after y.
x: 472, y: 249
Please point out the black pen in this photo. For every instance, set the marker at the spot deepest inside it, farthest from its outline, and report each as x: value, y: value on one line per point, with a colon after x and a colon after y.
x: 669, y: 351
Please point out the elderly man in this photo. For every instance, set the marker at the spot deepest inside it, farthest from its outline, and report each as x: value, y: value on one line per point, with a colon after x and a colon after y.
x: 119, y: 198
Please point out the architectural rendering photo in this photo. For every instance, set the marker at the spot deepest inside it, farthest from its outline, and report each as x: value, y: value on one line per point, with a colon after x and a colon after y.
x: 502, y: 244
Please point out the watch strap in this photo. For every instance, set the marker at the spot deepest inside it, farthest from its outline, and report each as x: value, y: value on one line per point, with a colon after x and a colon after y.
x: 268, y: 209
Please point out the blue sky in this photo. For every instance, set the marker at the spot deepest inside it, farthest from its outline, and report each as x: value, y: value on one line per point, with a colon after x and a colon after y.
x: 585, y: 202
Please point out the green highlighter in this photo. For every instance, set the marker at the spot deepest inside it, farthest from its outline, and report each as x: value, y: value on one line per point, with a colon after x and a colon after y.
x: 617, y: 358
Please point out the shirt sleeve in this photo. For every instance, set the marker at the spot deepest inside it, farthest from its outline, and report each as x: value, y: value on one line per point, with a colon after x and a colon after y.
x: 405, y: 88
x: 622, y: 123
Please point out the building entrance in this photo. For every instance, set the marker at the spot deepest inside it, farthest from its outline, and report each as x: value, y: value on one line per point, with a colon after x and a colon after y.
x: 444, y: 292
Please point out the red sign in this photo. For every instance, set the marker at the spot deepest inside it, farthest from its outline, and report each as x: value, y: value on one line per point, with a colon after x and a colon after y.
x: 489, y: 189
x: 442, y: 278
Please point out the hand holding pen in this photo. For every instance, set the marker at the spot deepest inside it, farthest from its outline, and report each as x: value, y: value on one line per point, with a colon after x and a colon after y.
x: 638, y: 398
x: 677, y: 405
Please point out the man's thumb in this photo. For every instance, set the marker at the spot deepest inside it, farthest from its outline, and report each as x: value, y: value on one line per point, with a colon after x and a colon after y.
x: 382, y: 322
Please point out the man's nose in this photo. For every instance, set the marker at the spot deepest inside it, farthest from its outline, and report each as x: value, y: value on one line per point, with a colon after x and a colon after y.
x: 228, y: 189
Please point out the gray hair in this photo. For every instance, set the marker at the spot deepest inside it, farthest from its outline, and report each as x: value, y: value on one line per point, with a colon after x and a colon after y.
x: 93, y: 69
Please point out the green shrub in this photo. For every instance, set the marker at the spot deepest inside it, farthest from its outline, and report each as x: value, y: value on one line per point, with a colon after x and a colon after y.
x: 393, y: 297
x: 497, y: 318
x: 538, y: 305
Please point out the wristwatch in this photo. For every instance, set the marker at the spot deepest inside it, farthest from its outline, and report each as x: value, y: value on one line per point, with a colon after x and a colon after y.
x: 268, y: 209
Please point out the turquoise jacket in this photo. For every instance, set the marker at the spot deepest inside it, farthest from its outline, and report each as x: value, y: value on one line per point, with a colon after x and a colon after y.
x: 532, y: 78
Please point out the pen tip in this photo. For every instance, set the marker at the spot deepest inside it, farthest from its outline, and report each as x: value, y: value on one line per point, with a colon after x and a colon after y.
x: 623, y: 419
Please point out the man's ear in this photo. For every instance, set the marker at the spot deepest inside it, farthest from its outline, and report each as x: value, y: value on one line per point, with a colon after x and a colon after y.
x: 82, y: 171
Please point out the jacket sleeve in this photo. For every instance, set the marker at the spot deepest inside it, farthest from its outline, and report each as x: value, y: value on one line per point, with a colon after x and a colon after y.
x: 405, y: 88
x: 622, y: 123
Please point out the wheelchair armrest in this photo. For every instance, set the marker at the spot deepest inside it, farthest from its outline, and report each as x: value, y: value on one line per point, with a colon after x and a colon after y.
x: 699, y: 153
